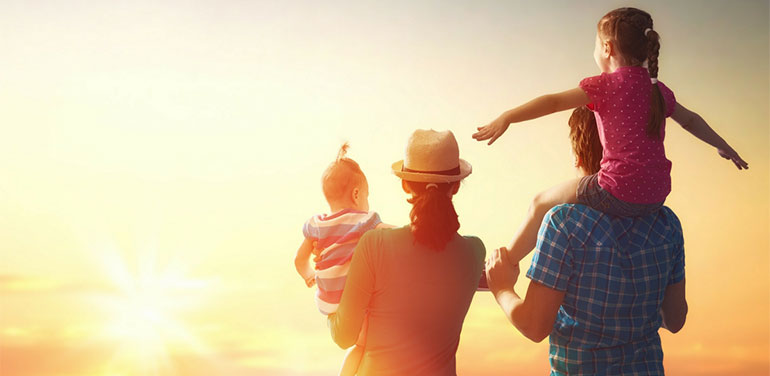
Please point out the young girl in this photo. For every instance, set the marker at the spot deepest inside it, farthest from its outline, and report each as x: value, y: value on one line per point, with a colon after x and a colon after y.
x: 336, y: 235
x: 630, y: 106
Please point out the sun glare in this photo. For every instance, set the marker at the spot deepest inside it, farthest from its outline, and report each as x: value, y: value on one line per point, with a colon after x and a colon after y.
x: 144, y: 312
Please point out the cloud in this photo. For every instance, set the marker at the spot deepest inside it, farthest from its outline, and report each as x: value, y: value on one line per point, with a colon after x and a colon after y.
x: 279, y: 350
x: 24, y: 284
x: 21, y: 283
x: 233, y: 352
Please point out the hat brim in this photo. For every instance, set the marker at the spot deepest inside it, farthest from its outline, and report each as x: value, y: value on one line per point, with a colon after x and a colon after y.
x: 465, y: 170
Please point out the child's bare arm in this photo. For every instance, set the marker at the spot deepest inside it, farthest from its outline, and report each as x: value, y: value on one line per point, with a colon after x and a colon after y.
x: 302, y: 262
x: 694, y: 123
x: 384, y: 225
x: 540, y: 106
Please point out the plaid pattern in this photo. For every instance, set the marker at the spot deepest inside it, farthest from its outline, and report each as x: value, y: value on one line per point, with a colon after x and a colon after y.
x: 614, y: 271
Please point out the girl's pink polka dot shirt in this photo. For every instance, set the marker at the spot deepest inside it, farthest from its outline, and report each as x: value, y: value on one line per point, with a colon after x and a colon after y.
x: 634, y: 167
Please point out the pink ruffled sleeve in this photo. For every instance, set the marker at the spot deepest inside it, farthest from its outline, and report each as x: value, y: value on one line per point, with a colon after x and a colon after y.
x: 596, y: 89
x: 668, y: 98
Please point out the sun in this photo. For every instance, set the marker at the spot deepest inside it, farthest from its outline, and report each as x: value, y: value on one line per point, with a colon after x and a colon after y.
x: 142, y: 315
x: 144, y: 312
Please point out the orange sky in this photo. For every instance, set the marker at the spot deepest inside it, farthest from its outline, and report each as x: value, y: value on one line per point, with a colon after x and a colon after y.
x: 159, y: 159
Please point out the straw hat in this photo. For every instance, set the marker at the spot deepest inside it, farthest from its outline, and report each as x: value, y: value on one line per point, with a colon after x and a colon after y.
x: 432, y: 157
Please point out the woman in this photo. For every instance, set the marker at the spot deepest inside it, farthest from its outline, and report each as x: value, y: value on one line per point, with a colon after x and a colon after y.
x: 414, y: 284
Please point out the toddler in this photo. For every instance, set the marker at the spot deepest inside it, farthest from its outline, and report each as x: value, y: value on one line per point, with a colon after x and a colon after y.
x: 334, y: 237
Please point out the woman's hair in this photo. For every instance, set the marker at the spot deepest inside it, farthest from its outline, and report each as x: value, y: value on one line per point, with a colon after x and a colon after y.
x: 585, y: 139
x: 625, y: 28
x: 341, y: 176
x: 433, y: 216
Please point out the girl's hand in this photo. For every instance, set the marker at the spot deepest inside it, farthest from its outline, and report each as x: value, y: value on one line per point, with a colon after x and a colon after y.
x: 310, y: 281
x: 492, y: 131
x: 732, y: 155
x: 501, y: 274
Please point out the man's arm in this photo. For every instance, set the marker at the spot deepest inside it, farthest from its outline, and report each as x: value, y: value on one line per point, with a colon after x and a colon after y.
x: 534, y: 315
x: 674, y: 307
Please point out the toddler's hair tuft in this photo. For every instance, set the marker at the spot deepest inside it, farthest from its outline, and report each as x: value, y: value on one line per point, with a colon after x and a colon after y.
x: 341, y: 176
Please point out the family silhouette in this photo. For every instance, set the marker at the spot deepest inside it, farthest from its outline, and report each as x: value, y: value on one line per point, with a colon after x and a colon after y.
x: 607, y: 269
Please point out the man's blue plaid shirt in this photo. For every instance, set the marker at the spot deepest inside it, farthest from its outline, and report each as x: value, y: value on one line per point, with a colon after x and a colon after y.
x: 614, y: 271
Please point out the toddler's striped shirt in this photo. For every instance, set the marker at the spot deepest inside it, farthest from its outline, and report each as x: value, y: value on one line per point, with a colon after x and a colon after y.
x: 337, y: 236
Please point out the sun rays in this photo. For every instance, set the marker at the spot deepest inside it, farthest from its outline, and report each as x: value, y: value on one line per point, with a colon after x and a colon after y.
x: 145, y: 311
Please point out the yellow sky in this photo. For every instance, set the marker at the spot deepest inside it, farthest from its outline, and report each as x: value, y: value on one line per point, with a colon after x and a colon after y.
x: 158, y: 161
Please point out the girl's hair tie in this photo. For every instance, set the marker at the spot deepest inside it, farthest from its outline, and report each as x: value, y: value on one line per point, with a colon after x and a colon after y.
x: 647, y: 30
x: 654, y: 80
x: 431, y: 185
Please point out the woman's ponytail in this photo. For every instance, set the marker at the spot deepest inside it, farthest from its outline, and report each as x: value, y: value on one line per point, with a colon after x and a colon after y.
x: 433, y: 216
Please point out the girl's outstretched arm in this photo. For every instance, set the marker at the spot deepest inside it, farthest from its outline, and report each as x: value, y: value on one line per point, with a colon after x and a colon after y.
x: 540, y: 106
x: 695, y: 124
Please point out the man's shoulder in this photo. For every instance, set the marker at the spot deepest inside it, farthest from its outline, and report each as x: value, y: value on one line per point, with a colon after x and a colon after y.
x: 583, y: 212
x: 574, y: 213
x: 575, y: 219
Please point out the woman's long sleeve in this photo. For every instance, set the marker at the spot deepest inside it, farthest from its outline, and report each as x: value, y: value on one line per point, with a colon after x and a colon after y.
x: 346, y: 323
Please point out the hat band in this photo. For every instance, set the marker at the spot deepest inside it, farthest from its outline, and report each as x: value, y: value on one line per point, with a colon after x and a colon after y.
x: 450, y: 172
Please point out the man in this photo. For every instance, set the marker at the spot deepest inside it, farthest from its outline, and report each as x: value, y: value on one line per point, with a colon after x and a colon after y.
x: 601, y: 287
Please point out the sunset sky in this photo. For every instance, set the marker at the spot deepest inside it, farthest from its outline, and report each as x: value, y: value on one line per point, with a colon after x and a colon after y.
x: 158, y: 160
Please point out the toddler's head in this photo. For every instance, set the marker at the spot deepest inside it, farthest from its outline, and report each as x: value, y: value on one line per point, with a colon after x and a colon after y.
x: 344, y: 184
x: 626, y: 35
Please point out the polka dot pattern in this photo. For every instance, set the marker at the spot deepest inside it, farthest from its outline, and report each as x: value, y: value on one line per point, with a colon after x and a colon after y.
x: 634, y: 167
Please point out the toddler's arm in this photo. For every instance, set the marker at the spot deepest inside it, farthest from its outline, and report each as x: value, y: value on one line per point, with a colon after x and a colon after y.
x: 302, y: 262
x: 540, y: 106
x: 695, y: 124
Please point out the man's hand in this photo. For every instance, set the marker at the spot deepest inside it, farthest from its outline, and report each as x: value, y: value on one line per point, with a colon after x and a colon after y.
x: 732, y: 155
x: 501, y: 274
x: 492, y: 131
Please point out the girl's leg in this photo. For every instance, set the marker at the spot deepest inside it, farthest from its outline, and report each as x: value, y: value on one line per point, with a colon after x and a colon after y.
x: 356, y: 353
x: 525, y: 238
